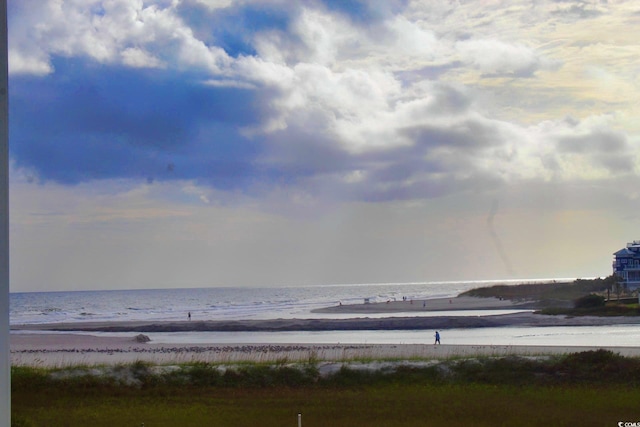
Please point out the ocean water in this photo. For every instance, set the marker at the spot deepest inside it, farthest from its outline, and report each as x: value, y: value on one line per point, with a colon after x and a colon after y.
x: 215, y: 303
x: 295, y: 302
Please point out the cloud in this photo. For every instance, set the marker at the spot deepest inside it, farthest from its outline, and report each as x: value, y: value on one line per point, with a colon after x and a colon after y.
x: 601, y: 147
x: 572, y: 9
x: 496, y: 58
x: 350, y: 100
x: 599, y: 141
x: 115, y: 32
x: 138, y: 58
x: 178, y: 142
x: 588, y: 149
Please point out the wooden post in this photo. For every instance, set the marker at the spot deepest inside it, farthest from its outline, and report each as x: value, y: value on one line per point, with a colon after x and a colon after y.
x: 5, y: 363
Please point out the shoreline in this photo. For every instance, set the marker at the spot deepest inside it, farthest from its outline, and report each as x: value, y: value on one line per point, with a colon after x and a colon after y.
x: 459, y: 303
x: 358, y: 322
x: 73, y: 344
x: 350, y: 324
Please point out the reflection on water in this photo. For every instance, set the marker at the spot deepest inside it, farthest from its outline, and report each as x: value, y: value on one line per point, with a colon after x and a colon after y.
x: 606, y: 336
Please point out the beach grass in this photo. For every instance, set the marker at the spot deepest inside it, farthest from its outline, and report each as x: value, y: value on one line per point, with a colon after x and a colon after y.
x: 545, y: 293
x: 610, y: 310
x: 600, y: 387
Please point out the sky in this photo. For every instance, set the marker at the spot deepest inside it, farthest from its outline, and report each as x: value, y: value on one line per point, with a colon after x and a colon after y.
x: 199, y: 143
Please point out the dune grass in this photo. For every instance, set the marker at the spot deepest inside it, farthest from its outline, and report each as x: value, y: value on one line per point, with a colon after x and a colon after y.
x: 590, y: 388
x: 610, y: 309
x: 552, y: 291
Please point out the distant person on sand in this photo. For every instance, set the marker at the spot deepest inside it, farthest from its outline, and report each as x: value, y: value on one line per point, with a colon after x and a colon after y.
x: 189, y: 315
x: 437, y: 338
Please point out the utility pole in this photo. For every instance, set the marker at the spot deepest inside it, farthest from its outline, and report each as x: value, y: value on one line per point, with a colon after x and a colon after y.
x: 5, y: 363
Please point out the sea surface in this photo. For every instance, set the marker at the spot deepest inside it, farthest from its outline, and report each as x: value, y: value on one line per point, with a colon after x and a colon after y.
x: 229, y: 303
x: 223, y: 303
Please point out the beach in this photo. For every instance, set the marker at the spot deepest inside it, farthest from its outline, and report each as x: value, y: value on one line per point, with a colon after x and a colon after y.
x: 427, y: 305
x: 63, y: 350
x: 358, y: 319
x: 66, y: 344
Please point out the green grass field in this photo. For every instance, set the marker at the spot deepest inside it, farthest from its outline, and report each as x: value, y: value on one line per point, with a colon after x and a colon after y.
x: 389, y: 404
x: 589, y: 389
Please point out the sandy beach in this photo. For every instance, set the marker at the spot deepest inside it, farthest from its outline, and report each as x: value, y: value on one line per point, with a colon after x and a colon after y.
x: 435, y: 304
x: 62, y: 350
x: 35, y: 345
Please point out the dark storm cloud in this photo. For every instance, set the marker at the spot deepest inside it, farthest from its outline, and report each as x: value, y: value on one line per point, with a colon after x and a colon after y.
x: 605, y: 148
x: 428, y: 187
x: 425, y: 171
x: 469, y: 135
x: 439, y: 161
x: 298, y: 153
x: 598, y: 141
x: 616, y: 163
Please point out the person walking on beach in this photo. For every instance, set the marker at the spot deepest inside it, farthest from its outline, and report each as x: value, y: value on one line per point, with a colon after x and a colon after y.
x: 437, y: 338
x: 189, y: 315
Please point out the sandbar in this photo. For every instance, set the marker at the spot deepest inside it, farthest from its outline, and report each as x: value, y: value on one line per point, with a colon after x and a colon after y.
x: 427, y: 305
x: 350, y: 324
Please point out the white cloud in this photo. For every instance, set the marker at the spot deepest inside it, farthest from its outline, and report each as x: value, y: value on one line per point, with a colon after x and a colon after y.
x: 35, y: 63
x: 117, y: 31
x: 412, y: 41
x: 327, y: 81
x: 495, y: 57
x: 215, y: 4
x: 138, y: 58
x: 341, y: 81
x: 230, y: 84
x: 589, y: 149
